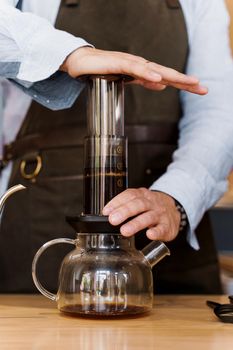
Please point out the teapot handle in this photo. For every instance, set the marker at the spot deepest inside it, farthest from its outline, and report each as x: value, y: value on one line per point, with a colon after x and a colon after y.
x: 39, y: 286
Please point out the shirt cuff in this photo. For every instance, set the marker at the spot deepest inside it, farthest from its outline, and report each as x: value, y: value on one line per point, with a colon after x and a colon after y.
x: 59, y: 91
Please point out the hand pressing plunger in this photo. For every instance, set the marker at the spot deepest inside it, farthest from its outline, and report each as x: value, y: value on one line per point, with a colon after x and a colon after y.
x: 87, y: 60
x: 154, y: 211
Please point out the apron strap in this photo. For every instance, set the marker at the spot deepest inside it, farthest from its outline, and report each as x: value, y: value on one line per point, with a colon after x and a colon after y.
x: 160, y: 133
x: 19, y: 4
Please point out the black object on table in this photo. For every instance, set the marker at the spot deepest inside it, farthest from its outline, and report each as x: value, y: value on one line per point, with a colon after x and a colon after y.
x: 223, y: 311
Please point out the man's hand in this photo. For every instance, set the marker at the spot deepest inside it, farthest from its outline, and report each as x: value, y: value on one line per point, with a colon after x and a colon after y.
x: 87, y: 60
x: 155, y: 211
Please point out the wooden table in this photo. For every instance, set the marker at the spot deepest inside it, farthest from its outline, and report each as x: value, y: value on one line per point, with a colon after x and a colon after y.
x: 177, y: 322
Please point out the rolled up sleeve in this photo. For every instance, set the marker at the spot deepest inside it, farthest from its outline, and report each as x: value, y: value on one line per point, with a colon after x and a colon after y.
x: 197, y: 175
x: 32, y: 51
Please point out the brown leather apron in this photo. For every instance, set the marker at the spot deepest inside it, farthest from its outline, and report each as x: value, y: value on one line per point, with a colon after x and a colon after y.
x: 154, y: 29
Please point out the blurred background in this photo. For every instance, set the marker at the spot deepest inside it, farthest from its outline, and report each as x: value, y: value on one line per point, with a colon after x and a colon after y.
x: 222, y: 214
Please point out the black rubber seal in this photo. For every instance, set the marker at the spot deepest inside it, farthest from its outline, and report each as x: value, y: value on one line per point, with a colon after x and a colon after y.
x: 92, y: 224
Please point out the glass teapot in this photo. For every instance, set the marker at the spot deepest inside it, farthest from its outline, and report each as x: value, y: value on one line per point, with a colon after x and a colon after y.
x: 104, y: 275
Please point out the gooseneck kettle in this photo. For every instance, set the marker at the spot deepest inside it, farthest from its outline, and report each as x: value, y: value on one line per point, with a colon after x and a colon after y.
x: 8, y: 193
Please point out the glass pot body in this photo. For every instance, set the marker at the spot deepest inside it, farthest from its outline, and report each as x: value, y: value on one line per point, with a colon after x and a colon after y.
x: 103, y: 276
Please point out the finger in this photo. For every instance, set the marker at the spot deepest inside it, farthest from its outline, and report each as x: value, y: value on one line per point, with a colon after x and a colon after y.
x: 120, y: 199
x: 134, y: 62
x: 149, y: 85
x: 159, y: 232
x: 129, y: 209
x: 197, y: 89
x: 139, y: 70
x: 147, y: 219
x: 154, y: 87
x: 174, y: 76
x: 117, y: 62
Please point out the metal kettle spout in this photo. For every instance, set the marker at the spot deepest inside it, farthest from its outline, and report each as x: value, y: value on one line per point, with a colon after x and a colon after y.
x: 155, y: 251
x: 9, y: 193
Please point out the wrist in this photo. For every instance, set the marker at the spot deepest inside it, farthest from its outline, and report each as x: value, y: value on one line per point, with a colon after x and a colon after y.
x: 183, y: 218
x: 71, y: 60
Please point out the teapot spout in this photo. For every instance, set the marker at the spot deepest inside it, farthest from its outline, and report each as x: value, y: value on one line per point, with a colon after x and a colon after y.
x: 155, y: 251
x: 9, y: 193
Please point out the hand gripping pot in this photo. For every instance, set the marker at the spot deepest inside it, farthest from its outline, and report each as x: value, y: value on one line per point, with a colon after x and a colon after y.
x: 104, y: 275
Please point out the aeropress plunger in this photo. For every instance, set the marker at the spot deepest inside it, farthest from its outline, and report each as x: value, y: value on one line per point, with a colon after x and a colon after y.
x: 105, y: 152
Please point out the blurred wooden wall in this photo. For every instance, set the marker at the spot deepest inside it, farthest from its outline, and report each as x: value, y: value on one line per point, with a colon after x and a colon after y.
x: 230, y: 7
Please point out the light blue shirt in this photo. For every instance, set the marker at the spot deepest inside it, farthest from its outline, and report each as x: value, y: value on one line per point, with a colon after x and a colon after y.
x: 32, y: 51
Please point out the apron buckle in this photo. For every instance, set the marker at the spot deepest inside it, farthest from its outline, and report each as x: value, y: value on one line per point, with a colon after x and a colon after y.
x: 31, y: 175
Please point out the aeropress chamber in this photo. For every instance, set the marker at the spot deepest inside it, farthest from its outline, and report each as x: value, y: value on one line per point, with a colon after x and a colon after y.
x: 105, y: 152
